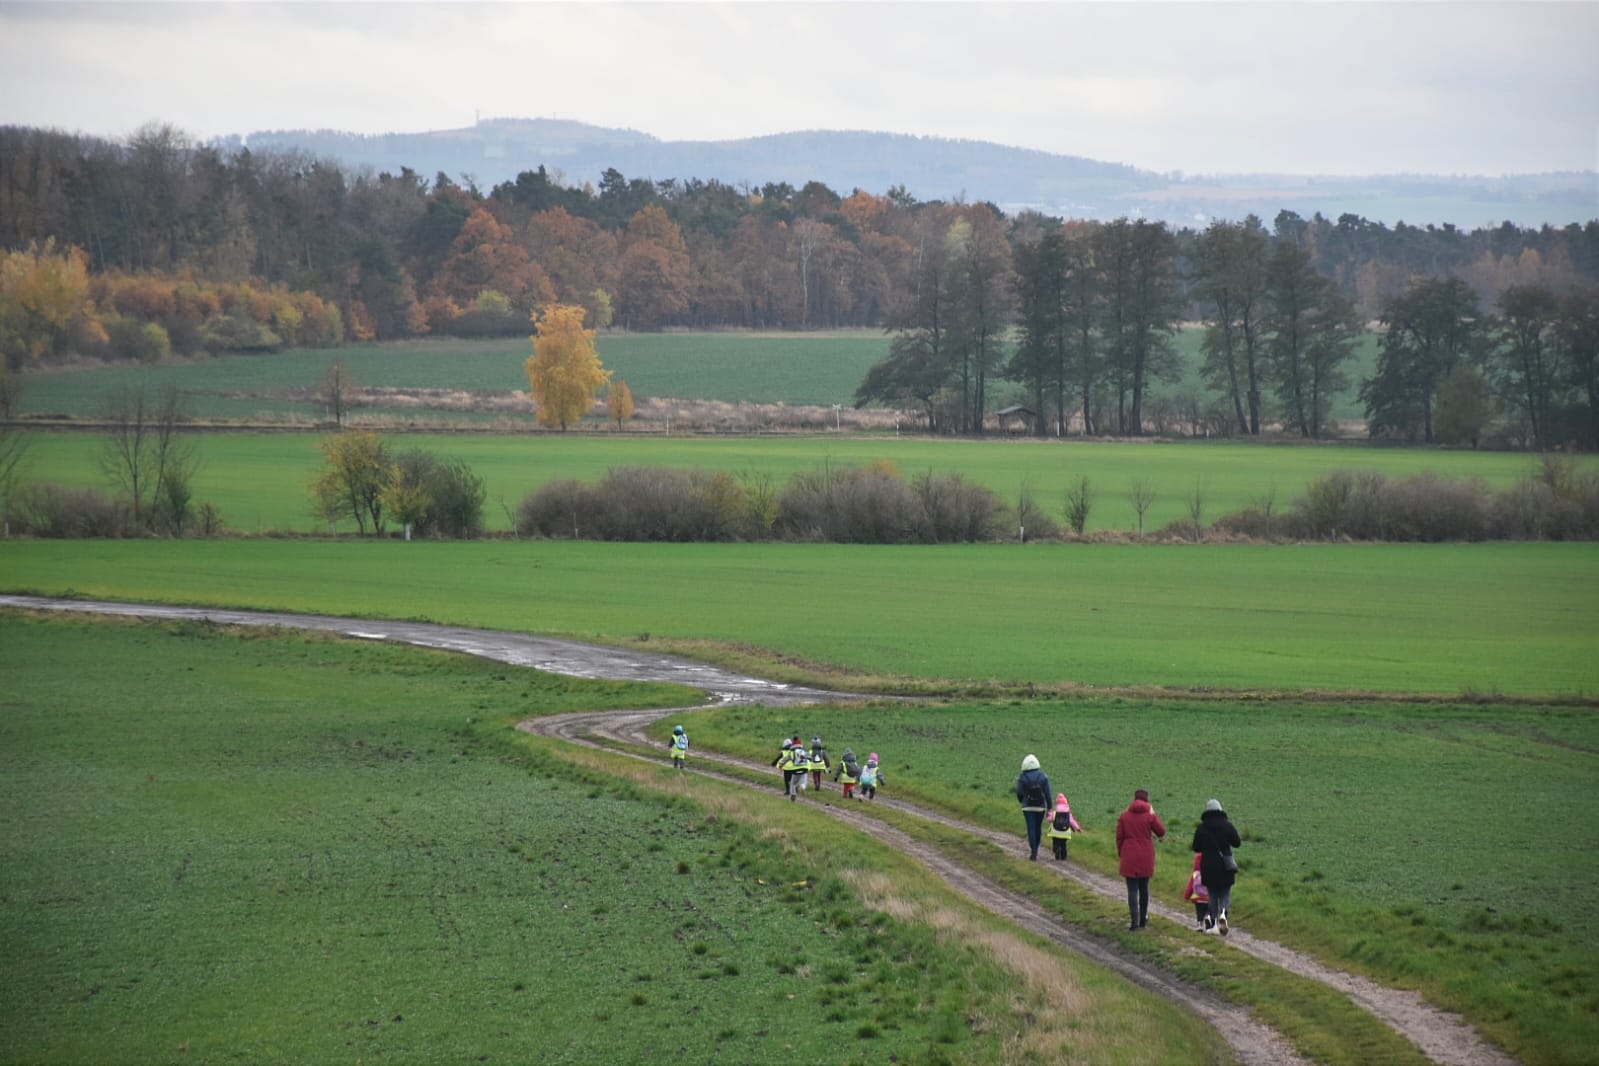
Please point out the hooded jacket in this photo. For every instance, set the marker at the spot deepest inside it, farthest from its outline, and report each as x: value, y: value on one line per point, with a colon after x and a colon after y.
x: 1034, y: 782
x: 1136, y: 831
x: 1215, y: 836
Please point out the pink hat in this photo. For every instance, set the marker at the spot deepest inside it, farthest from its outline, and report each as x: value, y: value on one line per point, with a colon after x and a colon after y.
x: 1060, y: 802
x: 872, y: 757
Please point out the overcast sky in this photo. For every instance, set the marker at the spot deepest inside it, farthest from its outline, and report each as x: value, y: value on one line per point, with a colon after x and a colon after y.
x: 1203, y: 87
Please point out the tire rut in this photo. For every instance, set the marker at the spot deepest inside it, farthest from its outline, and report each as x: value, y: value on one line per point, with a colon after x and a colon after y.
x: 1440, y: 1035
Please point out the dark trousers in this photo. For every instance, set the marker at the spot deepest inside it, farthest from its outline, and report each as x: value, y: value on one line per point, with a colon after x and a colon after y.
x: 1138, y: 900
x: 1060, y: 846
x: 1220, y: 900
x: 1035, y: 830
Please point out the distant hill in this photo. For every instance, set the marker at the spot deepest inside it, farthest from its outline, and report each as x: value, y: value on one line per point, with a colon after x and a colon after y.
x: 934, y: 168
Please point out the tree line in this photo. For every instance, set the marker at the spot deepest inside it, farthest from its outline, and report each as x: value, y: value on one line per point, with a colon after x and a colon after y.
x: 294, y: 249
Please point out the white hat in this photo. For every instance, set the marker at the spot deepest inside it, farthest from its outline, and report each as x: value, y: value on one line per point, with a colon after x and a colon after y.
x: 1213, y: 805
x: 1030, y: 763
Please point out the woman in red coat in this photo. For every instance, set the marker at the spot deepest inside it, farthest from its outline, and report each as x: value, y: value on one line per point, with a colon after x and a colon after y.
x: 1136, y: 832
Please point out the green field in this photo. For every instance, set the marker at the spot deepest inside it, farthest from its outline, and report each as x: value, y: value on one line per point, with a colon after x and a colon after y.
x: 260, y: 481
x: 1489, y: 618
x: 808, y: 368
x: 271, y: 847
x: 821, y: 368
x: 1422, y: 845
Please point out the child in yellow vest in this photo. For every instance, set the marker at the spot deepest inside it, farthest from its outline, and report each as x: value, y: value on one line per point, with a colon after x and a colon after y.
x: 1060, y: 828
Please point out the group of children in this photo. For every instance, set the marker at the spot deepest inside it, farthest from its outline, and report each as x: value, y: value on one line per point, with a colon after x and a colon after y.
x: 800, y: 764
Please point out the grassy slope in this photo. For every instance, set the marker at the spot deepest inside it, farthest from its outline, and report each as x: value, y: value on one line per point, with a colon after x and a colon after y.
x: 260, y: 481
x: 1432, y: 847
x: 287, y: 848
x: 1511, y: 618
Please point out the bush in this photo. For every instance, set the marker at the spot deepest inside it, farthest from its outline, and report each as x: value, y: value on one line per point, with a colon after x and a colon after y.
x: 957, y: 511
x: 458, y: 496
x: 129, y: 338
x: 635, y: 503
x: 232, y: 333
x: 852, y: 505
x: 560, y: 509
x: 46, y: 509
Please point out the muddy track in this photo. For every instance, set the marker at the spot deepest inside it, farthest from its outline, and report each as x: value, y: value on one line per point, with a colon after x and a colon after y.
x: 1443, y: 1037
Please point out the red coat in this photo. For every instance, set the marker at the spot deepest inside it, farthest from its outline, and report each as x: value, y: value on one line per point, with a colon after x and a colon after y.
x: 1136, y: 830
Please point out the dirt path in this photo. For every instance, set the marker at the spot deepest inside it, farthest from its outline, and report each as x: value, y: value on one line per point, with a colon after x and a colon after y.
x: 1443, y: 1037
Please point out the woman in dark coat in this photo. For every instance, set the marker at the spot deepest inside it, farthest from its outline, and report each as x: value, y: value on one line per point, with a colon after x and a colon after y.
x: 1032, y: 792
x: 1214, y: 842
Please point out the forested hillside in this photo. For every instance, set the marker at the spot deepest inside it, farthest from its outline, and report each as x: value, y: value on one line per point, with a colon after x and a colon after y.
x: 130, y: 249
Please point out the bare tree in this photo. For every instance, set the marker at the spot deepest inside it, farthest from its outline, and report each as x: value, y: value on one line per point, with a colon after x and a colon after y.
x: 1266, y: 503
x: 1141, y: 496
x: 13, y: 443
x: 144, y: 450
x: 1196, y: 509
x: 1079, y: 502
x: 809, y: 235
x: 338, y: 389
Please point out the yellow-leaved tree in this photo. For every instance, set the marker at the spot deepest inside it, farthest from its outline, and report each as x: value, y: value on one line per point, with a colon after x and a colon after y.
x: 564, y: 371
x: 619, y: 402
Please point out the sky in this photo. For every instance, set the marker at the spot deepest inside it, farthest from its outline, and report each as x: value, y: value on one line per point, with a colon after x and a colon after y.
x: 1354, y: 87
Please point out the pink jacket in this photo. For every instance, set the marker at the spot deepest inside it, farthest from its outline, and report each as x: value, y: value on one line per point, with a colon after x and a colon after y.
x: 1136, y: 831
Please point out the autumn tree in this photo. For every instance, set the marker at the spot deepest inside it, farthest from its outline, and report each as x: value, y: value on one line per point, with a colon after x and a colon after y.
x: 44, y: 303
x: 357, y: 469
x: 653, y: 275
x: 619, y: 402
x: 564, y: 371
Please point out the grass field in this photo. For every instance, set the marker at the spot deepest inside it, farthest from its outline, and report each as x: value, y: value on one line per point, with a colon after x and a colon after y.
x: 1429, y: 847
x: 1492, y: 618
x: 819, y: 368
x: 225, y: 847
x: 260, y: 481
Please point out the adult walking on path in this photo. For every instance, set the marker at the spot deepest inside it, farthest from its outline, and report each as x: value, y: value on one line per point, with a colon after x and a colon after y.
x: 1214, y: 841
x: 1032, y: 792
x: 1136, y: 832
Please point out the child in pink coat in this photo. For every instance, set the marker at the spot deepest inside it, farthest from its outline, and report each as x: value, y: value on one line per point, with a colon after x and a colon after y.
x: 1197, y: 894
x: 1061, y: 826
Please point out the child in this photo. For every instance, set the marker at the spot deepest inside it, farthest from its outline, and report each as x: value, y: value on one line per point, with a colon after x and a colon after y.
x: 1197, y: 894
x: 819, y: 762
x: 796, y: 769
x: 871, y: 777
x: 679, y: 746
x: 848, y: 772
x: 1061, y: 826
x: 784, y: 762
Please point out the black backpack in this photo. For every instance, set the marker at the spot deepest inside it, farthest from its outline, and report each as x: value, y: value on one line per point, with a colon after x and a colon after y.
x: 1036, y: 796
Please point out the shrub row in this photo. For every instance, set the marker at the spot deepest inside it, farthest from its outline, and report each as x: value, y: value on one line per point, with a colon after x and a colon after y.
x: 1555, y: 501
x: 46, y: 509
x: 852, y: 505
